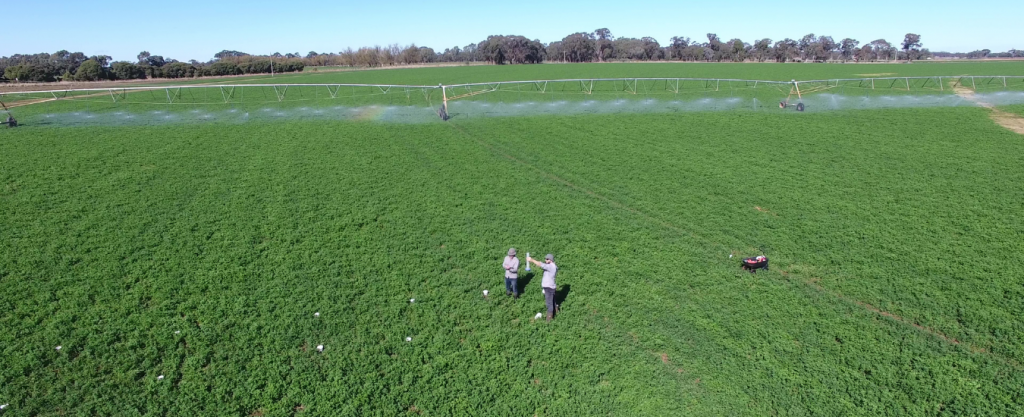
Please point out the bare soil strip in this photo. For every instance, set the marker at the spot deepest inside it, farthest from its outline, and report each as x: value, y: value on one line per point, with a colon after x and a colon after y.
x: 27, y: 102
x: 1008, y: 120
x: 1013, y: 122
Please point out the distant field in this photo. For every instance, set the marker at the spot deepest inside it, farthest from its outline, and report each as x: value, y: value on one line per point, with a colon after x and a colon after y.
x: 755, y: 71
x: 200, y: 251
x: 550, y: 71
x: 317, y: 99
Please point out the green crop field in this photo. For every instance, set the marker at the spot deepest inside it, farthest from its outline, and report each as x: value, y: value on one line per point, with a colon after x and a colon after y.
x: 551, y: 71
x: 200, y: 252
x: 1017, y: 109
x: 751, y: 71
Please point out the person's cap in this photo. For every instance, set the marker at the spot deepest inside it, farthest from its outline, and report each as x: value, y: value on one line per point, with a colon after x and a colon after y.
x: 511, y: 251
x: 549, y: 257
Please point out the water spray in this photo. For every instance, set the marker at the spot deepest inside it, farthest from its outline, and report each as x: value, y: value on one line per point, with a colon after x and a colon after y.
x: 497, y: 99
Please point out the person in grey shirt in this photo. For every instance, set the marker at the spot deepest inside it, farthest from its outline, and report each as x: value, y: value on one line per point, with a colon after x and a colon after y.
x: 548, y: 282
x: 511, y: 265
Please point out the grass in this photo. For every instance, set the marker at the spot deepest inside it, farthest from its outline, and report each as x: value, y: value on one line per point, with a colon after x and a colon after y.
x: 431, y: 76
x: 753, y: 71
x: 551, y: 71
x: 892, y: 235
x: 1017, y: 109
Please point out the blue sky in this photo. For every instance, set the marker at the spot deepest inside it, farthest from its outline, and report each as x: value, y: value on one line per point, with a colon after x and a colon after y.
x: 188, y: 29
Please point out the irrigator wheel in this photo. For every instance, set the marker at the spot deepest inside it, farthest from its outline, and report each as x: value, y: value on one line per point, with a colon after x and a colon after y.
x: 782, y: 104
x: 800, y: 107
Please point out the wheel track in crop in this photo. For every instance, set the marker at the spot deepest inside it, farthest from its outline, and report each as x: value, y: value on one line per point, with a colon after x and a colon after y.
x: 812, y: 283
x: 500, y: 152
x: 786, y: 276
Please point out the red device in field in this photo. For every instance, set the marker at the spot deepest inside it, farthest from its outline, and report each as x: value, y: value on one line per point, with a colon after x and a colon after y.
x: 755, y: 263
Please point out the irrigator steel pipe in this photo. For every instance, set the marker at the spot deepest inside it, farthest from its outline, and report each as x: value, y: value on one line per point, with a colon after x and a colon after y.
x: 614, y: 79
x: 164, y: 87
x: 830, y: 80
x: 198, y: 86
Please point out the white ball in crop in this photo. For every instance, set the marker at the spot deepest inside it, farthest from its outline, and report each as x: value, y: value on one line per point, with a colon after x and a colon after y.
x: 408, y: 339
x: 159, y: 377
x: 319, y: 348
x: 317, y: 314
x: 58, y: 348
x: 412, y: 300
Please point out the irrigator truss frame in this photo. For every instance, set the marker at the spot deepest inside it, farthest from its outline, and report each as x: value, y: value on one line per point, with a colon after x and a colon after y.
x: 229, y: 94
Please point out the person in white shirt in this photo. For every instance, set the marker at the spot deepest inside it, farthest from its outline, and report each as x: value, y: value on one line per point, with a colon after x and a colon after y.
x: 548, y: 282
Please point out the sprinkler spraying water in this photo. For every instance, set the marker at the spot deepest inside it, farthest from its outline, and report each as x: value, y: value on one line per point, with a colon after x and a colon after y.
x: 494, y: 99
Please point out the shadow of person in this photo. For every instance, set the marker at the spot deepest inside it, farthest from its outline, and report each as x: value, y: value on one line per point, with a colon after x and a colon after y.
x: 524, y: 280
x: 561, y: 293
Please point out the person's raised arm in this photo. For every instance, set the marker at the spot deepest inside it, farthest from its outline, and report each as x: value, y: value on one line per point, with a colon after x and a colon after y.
x: 534, y: 261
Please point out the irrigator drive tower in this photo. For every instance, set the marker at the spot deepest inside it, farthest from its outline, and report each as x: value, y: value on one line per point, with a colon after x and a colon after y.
x: 10, y: 122
x: 443, y: 111
x: 800, y: 100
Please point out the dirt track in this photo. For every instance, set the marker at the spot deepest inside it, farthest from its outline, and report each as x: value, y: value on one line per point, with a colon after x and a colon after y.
x: 1008, y: 120
x: 27, y: 102
x: 42, y: 100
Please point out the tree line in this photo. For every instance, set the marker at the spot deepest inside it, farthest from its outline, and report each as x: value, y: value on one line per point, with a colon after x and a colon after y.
x: 76, y: 66
x: 597, y: 46
x: 981, y: 53
x: 600, y: 45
